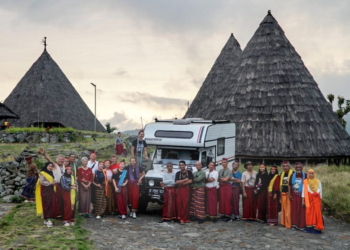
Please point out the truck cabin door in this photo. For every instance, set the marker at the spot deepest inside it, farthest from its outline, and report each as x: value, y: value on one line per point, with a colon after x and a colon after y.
x: 207, y: 155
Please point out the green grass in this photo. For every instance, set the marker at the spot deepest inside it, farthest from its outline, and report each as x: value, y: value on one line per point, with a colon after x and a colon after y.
x: 39, y: 129
x: 21, y: 229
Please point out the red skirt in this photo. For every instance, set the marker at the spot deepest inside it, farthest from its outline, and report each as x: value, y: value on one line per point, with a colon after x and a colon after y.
x: 235, y: 200
x: 212, y: 202
x: 122, y: 200
x: 225, y: 199
x: 197, y: 207
x: 169, y: 207
x: 48, y: 197
x: 119, y: 149
x: 58, y: 201
x: 67, y: 207
x: 297, y: 211
x: 262, y: 206
x: 183, y: 203
x: 249, y: 204
x: 134, y: 194
x: 272, y: 209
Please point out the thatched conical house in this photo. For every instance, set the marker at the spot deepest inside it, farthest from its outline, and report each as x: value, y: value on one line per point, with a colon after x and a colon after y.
x: 276, y: 104
x: 6, y: 113
x: 45, y: 96
x: 212, y: 85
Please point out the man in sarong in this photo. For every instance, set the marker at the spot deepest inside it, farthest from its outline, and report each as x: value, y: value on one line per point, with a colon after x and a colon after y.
x: 236, y: 183
x: 286, y: 174
x: 119, y: 144
x: 168, y: 182
x: 183, y: 180
x: 249, y: 198
x: 32, y: 177
x: 295, y: 191
x: 211, y: 193
x: 224, y: 179
x: 73, y: 165
x: 136, y: 174
x: 197, y: 209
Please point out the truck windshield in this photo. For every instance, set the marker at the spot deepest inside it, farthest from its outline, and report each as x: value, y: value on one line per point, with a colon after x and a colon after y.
x: 165, y: 155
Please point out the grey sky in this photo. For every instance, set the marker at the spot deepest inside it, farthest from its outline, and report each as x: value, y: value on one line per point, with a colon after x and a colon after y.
x: 149, y: 57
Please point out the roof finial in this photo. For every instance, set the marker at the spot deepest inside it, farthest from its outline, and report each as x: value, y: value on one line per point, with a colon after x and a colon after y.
x: 44, y: 42
x: 269, y: 12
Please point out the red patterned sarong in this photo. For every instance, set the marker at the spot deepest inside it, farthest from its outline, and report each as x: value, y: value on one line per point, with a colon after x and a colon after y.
x: 225, y: 199
x: 47, y: 197
x: 212, y: 202
x: 67, y: 207
x: 262, y: 206
x: 169, y: 207
x: 183, y: 203
x: 297, y: 211
x: 272, y: 209
x: 58, y: 201
x: 235, y: 200
x: 249, y: 204
x: 198, y: 203
x: 119, y: 149
x: 122, y: 200
x: 134, y: 194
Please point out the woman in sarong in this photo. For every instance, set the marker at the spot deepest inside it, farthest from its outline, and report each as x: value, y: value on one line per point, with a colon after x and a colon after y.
x: 100, y: 183
x: 45, y: 194
x: 85, y: 178
x: 32, y: 178
x: 111, y: 204
x: 312, y: 200
x: 120, y: 181
x: 273, y: 196
x: 69, y: 187
x: 261, y: 183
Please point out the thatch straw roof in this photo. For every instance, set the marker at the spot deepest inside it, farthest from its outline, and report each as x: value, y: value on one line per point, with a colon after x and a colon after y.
x: 6, y: 113
x: 212, y: 85
x: 45, y: 95
x: 276, y: 104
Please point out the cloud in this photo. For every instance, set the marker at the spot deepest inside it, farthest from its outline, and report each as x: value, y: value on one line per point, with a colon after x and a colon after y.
x: 121, y: 121
x: 151, y: 100
x: 121, y: 72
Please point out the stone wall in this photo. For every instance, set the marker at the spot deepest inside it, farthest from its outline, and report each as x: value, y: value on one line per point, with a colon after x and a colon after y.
x: 39, y: 137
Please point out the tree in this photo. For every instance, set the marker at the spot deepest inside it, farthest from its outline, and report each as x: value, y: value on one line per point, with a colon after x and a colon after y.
x: 109, y: 128
x: 342, y: 111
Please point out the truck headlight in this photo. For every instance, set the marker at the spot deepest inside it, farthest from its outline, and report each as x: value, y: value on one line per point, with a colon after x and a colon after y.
x: 151, y: 183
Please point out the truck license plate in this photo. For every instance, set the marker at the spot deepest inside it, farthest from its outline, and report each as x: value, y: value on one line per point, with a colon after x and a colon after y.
x: 156, y: 191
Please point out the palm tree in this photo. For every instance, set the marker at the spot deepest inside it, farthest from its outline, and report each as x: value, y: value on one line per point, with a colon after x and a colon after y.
x: 342, y: 111
x: 109, y: 128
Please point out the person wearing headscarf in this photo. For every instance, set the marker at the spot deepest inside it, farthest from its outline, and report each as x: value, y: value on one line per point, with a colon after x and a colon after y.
x: 32, y: 177
x: 120, y: 181
x: 101, y: 186
x: 295, y: 190
x: 248, y: 186
x: 68, y: 195
x: 286, y: 175
x: 273, y: 196
x: 261, y: 183
x: 197, y: 207
x: 225, y: 191
x: 136, y: 174
x: 85, y: 178
x: 45, y: 193
x: 312, y: 200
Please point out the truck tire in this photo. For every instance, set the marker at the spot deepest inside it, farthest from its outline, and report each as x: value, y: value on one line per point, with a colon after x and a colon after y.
x: 143, y: 203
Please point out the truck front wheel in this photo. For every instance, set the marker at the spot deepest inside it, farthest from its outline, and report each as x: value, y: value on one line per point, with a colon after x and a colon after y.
x: 143, y: 203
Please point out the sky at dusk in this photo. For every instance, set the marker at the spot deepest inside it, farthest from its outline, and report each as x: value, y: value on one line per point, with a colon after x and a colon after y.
x: 148, y: 58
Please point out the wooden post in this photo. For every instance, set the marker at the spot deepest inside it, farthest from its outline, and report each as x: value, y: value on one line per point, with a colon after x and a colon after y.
x: 306, y: 163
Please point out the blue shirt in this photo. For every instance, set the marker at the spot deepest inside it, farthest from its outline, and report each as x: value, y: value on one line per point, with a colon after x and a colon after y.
x: 237, y: 175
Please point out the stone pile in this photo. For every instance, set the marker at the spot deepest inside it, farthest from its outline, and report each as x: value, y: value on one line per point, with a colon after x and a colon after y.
x: 38, y: 137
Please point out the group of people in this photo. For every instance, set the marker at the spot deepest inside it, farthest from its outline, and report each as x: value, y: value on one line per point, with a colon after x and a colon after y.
x: 195, y: 195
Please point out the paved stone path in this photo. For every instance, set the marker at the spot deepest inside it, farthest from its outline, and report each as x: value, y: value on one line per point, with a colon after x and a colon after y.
x: 146, y: 233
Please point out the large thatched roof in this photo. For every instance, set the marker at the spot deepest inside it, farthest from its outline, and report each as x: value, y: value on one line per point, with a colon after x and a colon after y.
x: 6, y: 113
x: 45, y: 95
x: 212, y: 85
x: 279, y: 110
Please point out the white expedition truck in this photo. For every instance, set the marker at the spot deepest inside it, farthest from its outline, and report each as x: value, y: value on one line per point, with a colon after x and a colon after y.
x: 189, y: 140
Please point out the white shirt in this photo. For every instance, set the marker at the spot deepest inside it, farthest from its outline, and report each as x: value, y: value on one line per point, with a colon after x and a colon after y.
x: 319, y: 190
x: 90, y: 164
x: 57, y: 173
x: 109, y: 174
x: 214, y: 183
x: 169, y: 179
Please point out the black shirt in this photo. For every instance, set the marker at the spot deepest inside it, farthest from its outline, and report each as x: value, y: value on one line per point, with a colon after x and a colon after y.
x: 285, y: 182
x: 134, y: 144
x: 118, y: 174
x: 183, y: 175
x: 134, y: 172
